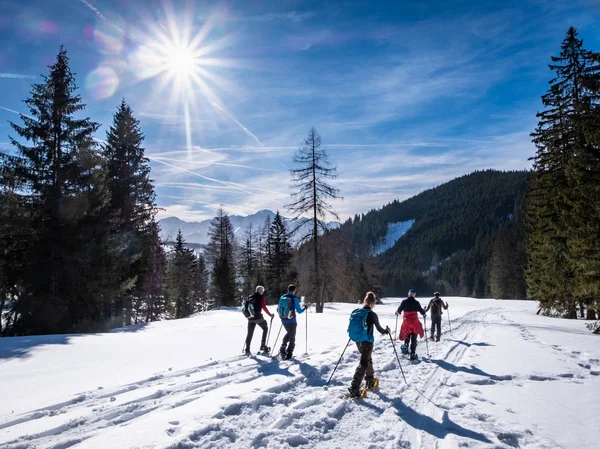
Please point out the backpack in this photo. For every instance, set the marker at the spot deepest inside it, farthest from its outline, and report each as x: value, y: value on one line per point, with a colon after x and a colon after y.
x: 436, y: 307
x: 357, y: 329
x: 285, y: 307
x: 248, y: 307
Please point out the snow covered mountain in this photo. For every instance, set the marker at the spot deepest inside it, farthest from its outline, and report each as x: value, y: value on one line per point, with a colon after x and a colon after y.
x: 504, y: 377
x: 197, y: 232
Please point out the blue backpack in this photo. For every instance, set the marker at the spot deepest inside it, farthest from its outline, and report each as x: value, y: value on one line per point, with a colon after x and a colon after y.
x: 357, y: 329
x: 285, y: 307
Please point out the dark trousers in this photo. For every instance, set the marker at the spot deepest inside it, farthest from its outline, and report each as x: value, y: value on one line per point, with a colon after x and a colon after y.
x: 289, y: 339
x: 436, y: 321
x: 365, y: 365
x: 412, y: 339
x: 262, y: 323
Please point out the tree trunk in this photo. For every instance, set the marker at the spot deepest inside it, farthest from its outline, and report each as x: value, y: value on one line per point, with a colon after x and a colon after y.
x: 591, y: 314
x: 581, y: 309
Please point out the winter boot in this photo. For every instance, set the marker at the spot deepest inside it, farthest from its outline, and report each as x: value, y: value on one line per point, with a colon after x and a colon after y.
x: 404, y: 349
x: 414, y: 356
x: 354, y: 393
x: 265, y: 349
x: 247, y: 352
x: 371, y: 384
x: 437, y: 339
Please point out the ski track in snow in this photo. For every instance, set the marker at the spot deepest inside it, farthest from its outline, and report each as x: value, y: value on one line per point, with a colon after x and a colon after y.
x: 266, y: 403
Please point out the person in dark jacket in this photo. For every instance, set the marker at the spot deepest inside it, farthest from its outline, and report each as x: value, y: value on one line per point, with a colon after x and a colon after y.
x: 258, y: 303
x: 435, y: 305
x: 289, y: 305
x: 411, y: 325
x: 365, y: 366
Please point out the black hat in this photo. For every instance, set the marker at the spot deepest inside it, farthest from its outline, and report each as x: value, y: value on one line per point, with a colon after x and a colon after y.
x: 436, y: 294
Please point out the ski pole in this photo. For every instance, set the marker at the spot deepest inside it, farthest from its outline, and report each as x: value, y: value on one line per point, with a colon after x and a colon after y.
x: 398, y: 358
x: 396, y: 329
x: 269, y: 334
x: 306, y: 333
x: 336, y: 365
x: 280, y: 327
x: 426, y: 337
x: 449, y: 323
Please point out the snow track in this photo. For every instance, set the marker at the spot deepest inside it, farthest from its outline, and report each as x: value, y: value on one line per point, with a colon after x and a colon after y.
x: 258, y: 402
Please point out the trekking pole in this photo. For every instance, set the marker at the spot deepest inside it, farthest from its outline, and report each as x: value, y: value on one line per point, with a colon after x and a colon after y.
x: 398, y: 358
x: 280, y: 327
x: 449, y: 323
x: 269, y: 334
x: 426, y: 338
x: 396, y: 330
x: 336, y: 365
x: 306, y: 333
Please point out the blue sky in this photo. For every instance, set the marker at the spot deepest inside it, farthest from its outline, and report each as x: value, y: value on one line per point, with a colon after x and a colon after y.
x: 406, y: 95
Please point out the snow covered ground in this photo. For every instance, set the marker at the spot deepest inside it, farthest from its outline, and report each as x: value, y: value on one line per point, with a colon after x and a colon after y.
x: 504, y: 377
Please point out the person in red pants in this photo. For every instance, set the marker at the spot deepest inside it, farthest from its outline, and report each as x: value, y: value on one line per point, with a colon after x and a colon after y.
x: 411, y: 325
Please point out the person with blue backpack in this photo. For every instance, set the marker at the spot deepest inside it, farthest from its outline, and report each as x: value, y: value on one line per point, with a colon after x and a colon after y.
x: 360, y: 330
x: 288, y: 306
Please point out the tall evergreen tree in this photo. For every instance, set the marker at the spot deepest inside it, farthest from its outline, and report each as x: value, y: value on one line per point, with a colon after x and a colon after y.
x: 220, y: 252
x: 311, y: 193
x: 278, y: 258
x: 249, y: 261
x: 561, y: 188
x: 201, y: 286
x: 179, y: 283
x: 132, y: 205
x: 151, y: 292
x: 65, y: 230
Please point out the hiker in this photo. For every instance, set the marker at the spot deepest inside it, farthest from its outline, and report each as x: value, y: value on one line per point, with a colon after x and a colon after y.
x: 256, y: 303
x: 435, y: 305
x: 360, y: 330
x: 411, y: 325
x: 289, y: 305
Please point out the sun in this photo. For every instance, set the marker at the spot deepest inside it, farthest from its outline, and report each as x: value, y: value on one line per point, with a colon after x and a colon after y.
x: 178, y: 54
x: 181, y: 62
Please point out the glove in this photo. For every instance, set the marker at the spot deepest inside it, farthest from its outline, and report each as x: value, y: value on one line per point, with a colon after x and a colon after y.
x: 446, y: 305
x: 387, y: 330
x: 305, y: 306
x: 396, y: 313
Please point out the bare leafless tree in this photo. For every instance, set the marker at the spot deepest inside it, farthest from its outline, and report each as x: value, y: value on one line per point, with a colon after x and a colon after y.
x: 311, y: 194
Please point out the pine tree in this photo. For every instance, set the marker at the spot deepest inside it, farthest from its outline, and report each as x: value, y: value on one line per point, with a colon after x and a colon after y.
x: 201, y: 286
x: 249, y: 262
x: 220, y: 253
x: 132, y: 204
x: 557, y: 213
x: 279, y: 257
x: 179, y: 284
x: 151, y: 292
x: 64, y: 231
x: 311, y: 194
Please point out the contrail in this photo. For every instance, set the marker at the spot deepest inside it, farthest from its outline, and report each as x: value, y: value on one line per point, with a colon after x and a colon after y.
x: 99, y: 14
x: 17, y: 76
x: 246, y: 130
x: 16, y: 112
x: 225, y: 183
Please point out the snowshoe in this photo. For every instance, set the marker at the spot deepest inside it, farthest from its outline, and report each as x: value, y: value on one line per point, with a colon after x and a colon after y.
x: 431, y: 339
x: 404, y: 349
x: 414, y: 356
x: 371, y: 384
x: 437, y: 340
x: 356, y: 394
x: 247, y: 353
x: 265, y: 350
